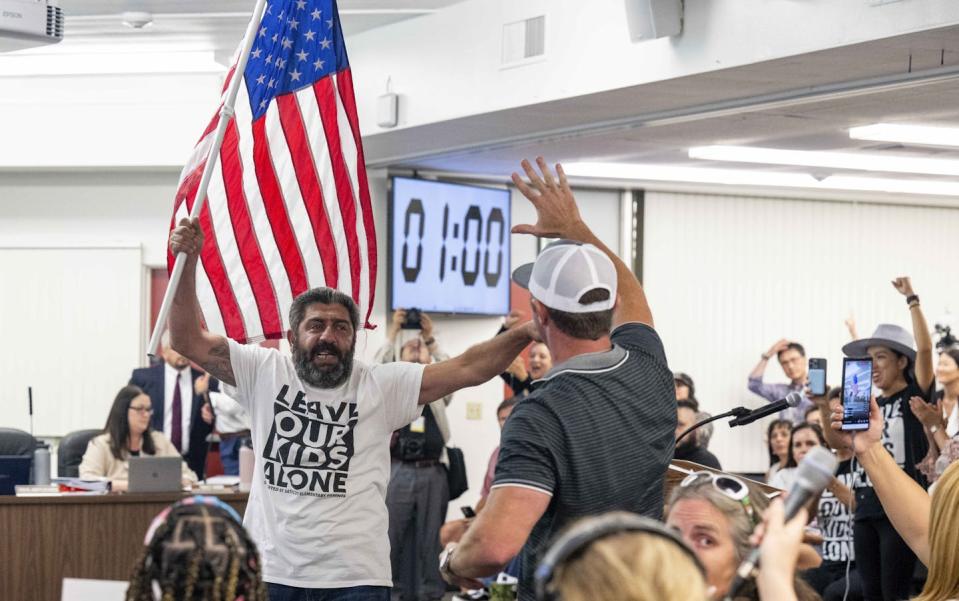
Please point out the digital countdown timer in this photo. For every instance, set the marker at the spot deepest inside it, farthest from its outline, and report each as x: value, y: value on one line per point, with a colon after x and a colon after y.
x: 449, y: 247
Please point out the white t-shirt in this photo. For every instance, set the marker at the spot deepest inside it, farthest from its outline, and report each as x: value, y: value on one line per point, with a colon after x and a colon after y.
x: 317, y: 507
x: 783, y: 479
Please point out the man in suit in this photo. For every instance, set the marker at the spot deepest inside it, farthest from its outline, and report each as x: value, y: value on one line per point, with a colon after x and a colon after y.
x: 171, y: 386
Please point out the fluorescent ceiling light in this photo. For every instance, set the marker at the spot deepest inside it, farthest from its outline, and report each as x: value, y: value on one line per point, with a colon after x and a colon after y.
x: 670, y: 173
x: 825, y: 159
x: 742, y: 177
x: 133, y: 63
x: 922, y: 135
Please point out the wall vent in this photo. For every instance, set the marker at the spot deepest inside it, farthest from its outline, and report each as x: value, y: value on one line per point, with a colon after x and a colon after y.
x: 524, y: 40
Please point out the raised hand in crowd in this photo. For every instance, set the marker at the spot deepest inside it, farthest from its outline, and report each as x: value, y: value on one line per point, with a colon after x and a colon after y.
x: 779, y: 544
x: 776, y: 348
x: 851, y: 327
x: 903, y: 285
x: 426, y: 329
x: 396, y: 324
x: 557, y: 216
x: 924, y: 366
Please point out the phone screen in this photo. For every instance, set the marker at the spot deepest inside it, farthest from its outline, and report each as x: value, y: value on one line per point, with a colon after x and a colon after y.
x: 817, y: 376
x: 856, y: 390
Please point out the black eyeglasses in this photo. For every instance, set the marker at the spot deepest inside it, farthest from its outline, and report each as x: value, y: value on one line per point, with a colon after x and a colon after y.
x: 141, y: 410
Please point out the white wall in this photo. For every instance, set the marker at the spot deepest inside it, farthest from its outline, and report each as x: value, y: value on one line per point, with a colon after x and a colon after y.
x: 70, y: 322
x: 727, y: 276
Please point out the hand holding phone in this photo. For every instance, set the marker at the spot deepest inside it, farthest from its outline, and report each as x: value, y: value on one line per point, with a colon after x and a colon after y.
x: 817, y: 376
x: 468, y: 512
x: 856, y: 392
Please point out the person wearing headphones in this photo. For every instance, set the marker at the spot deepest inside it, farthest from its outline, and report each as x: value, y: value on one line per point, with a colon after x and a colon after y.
x: 620, y: 556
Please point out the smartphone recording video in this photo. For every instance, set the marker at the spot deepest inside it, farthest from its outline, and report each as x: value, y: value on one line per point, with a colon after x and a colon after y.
x: 856, y: 391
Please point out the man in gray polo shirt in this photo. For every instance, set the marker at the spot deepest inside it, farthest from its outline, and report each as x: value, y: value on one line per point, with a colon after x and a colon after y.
x: 596, y: 433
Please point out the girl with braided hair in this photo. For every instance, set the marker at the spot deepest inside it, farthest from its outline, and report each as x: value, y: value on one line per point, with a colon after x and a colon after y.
x: 197, y: 550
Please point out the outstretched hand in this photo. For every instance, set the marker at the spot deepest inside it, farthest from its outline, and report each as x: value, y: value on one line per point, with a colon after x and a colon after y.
x: 556, y: 210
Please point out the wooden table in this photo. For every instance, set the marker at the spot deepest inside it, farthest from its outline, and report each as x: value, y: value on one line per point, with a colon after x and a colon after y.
x: 46, y: 539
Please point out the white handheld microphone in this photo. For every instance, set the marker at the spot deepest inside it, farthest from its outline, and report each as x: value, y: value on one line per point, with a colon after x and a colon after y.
x: 814, y: 473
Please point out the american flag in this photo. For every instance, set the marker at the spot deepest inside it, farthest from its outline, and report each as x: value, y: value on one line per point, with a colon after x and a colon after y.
x: 288, y: 206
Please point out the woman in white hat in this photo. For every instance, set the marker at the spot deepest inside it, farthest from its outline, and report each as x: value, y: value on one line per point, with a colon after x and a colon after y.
x: 899, y: 371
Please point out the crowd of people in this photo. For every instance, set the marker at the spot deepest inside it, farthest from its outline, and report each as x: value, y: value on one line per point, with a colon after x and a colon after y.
x: 351, y: 478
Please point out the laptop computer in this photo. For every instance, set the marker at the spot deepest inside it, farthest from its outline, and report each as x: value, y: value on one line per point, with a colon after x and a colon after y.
x: 155, y: 474
x: 14, y: 470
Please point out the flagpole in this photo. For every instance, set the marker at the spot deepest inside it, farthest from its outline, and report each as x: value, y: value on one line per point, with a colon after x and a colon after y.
x: 226, y: 115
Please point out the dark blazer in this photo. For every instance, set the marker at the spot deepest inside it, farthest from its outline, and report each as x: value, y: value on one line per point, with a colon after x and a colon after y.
x: 151, y: 380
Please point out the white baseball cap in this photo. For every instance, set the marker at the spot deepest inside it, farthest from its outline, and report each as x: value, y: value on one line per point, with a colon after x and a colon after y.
x: 566, y: 270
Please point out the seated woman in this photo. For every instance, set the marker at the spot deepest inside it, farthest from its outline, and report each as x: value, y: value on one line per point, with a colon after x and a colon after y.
x: 716, y: 514
x: 197, y: 550
x: 127, y: 434
x: 620, y: 556
x: 777, y: 443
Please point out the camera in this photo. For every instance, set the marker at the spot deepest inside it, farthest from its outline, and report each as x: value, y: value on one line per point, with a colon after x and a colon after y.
x: 946, y: 338
x: 413, y: 320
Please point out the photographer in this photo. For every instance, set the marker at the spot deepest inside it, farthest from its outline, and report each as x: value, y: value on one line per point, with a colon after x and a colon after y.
x: 418, y: 492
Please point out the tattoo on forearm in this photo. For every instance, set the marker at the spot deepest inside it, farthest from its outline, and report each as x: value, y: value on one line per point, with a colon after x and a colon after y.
x: 218, y: 363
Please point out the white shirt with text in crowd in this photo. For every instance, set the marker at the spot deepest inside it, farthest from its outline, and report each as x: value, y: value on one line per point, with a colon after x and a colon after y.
x: 317, y: 508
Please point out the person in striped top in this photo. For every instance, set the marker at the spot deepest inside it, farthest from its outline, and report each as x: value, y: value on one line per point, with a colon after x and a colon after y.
x: 596, y: 433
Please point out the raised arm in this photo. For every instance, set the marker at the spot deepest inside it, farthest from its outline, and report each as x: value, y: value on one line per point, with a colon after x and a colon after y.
x: 478, y: 364
x: 760, y: 369
x: 905, y: 502
x: 187, y: 336
x: 558, y: 217
x: 920, y: 331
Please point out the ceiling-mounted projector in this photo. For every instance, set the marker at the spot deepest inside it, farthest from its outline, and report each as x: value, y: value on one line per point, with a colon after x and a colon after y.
x: 28, y: 23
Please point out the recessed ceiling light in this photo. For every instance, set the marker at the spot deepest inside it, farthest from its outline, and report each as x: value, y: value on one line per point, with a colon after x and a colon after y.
x: 743, y: 177
x: 860, y: 161
x: 920, y: 135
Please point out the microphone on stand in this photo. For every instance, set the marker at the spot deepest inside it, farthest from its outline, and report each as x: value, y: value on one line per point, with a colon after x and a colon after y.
x: 735, y: 412
x: 814, y: 473
x: 792, y: 400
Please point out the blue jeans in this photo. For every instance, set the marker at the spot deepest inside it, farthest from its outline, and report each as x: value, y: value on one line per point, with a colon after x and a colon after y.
x: 281, y: 592
x: 230, y: 455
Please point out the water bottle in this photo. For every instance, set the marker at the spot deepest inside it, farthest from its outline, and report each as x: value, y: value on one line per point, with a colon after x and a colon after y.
x: 246, y: 468
x: 41, y: 464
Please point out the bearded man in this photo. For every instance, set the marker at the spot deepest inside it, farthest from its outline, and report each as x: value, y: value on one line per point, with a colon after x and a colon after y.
x: 321, y: 426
